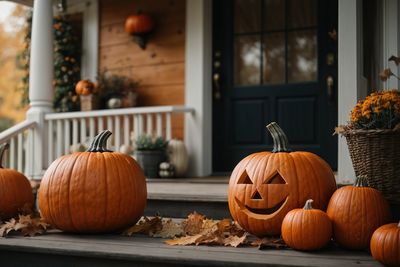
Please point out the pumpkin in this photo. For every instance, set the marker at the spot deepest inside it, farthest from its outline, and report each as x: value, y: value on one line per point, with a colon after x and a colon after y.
x: 307, y: 228
x: 126, y: 149
x: 84, y: 87
x: 93, y: 191
x: 356, y: 211
x: 166, y: 170
x: 139, y: 24
x: 265, y: 186
x: 178, y: 156
x: 385, y: 244
x: 15, y: 190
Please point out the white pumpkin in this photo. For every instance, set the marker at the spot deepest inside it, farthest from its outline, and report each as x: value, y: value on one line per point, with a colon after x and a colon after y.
x: 126, y: 149
x: 178, y: 156
x: 79, y: 147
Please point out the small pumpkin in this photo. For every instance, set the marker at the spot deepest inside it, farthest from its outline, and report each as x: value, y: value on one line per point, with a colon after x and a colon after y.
x: 93, y: 191
x: 178, y: 156
x: 307, y: 228
x: 84, y: 87
x: 385, y: 244
x: 126, y: 149
x: 139, y: 24
x: 166, y: 170
x: 356, y: 211
x: 265, y: 186
x: 15, y: 190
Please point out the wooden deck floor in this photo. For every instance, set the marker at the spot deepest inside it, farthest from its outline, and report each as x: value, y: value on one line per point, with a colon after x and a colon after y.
x: 61, y: 250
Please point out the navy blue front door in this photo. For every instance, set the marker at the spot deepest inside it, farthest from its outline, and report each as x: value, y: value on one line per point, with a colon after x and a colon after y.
x: 273, y: 60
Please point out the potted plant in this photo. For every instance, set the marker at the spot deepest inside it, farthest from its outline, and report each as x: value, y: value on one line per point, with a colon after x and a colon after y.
x: 373, y: 139
x: 150, y: 152
x: 116, y: 91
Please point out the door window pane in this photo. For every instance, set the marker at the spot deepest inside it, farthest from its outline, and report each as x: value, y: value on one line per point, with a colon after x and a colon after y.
x: 274, y: 58
x: 247, y: 60
x: 247, y: 16
x: 302, y: 56
x: 274, y: 11
x: 302, y: 13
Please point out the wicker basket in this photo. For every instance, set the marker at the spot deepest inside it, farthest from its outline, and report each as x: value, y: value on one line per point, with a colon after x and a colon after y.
x: 376, y: 155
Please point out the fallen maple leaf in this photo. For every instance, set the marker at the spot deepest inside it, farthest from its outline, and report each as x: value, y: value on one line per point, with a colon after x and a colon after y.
x: 185, y: 240
x: 269, y: 242
x: 193, y: 224
x: 28, y: 225
x: 169, y: 229
x: 234, y: 240
x: 145, y: 226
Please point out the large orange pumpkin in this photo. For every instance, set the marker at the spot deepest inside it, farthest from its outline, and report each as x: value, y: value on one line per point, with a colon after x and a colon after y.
x: 356, y: 211
x: 15, y: 190
x: 93, y: 191
x: 385, y: 244
x: 84, y: 87
x: 306, y: 228
x: 265, y: 186
x: 139, y: 24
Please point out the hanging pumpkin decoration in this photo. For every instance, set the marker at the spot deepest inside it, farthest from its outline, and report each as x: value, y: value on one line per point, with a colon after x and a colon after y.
x: 265, y: 186
x: 84, y: 87
x: 15, y: 190
x: 307, y: 228
x: 385, y: 244
x: 166, y: 170
x: 93, y: 191
x: 139, y: 26
x: 356, y: 211
x: 178, y: 156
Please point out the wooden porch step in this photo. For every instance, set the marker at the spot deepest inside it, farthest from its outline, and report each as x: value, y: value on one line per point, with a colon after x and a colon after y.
x: 62, y: 250
x: 178, y: 197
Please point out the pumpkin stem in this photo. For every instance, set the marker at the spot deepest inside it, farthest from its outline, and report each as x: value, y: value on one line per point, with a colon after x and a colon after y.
x: 361, y: 181
x: 281, y: 143
x: 308, y: 205
x: 3, y: 148
x: 99, y: 143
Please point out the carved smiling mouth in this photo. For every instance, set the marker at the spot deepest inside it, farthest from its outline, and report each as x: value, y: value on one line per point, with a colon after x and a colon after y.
x: 261, y: 213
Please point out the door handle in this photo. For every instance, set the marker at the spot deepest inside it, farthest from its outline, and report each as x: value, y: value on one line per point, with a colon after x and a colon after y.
x: 329, y: 87
x: 217, y: 89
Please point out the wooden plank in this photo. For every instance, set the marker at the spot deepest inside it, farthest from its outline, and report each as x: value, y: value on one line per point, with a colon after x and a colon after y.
x: 145, y: 251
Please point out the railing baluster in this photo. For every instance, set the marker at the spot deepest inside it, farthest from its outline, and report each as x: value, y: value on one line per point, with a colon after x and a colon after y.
x: 135, y: 127
x: 110, y: 128
x: 83, y: 130
x: 50, y: 147
x: 28, y: 153
x: 67, y: 136
x: 100, y: 125
x: 159, y: 124
x: 75, y: 131
x: 59, y: 139
x: 117, y: 133
x: 149, y: 124
x: 126, y: 130
x: 20, y: 144
x: 140, y: 124
x: 12, y: 153
x: 168, y: 126
x: 91, y: 128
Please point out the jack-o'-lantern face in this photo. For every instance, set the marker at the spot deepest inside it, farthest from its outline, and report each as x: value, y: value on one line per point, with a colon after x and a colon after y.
x: 258, y: 205
x: 265, y: 186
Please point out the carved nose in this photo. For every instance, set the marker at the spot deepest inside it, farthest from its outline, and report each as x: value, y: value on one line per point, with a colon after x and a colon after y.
x: 256, y: 195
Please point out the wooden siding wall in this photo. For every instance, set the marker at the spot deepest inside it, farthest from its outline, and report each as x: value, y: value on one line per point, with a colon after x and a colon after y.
x: 160, y: 67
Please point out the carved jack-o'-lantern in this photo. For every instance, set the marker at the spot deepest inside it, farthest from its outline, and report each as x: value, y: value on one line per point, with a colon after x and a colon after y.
x: 265, y: 186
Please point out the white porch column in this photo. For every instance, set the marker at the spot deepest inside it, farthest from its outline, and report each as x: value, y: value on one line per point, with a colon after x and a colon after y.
x: 41, y: 78
x: 349, y: 73
x: 198, y: 87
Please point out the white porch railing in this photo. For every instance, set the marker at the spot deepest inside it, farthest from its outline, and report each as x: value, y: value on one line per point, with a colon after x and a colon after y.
x: 66, y: 129
x: 20, y: 154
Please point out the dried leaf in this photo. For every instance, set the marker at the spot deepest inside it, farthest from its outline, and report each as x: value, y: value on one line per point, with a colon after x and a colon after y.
x: 193, y: 224
x: 28, y: 225
x: 395, y: 59
x: 269, y: 242
x: 169, y: 229
x: 145, y: 226
x: 385, y: 74
x: 234, y: 240
x: 185, y: 240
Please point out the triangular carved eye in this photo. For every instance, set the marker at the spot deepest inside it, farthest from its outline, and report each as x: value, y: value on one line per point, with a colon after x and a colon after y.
x: 276, y: 178
x: 244, y: 178
x: 256, y: 195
